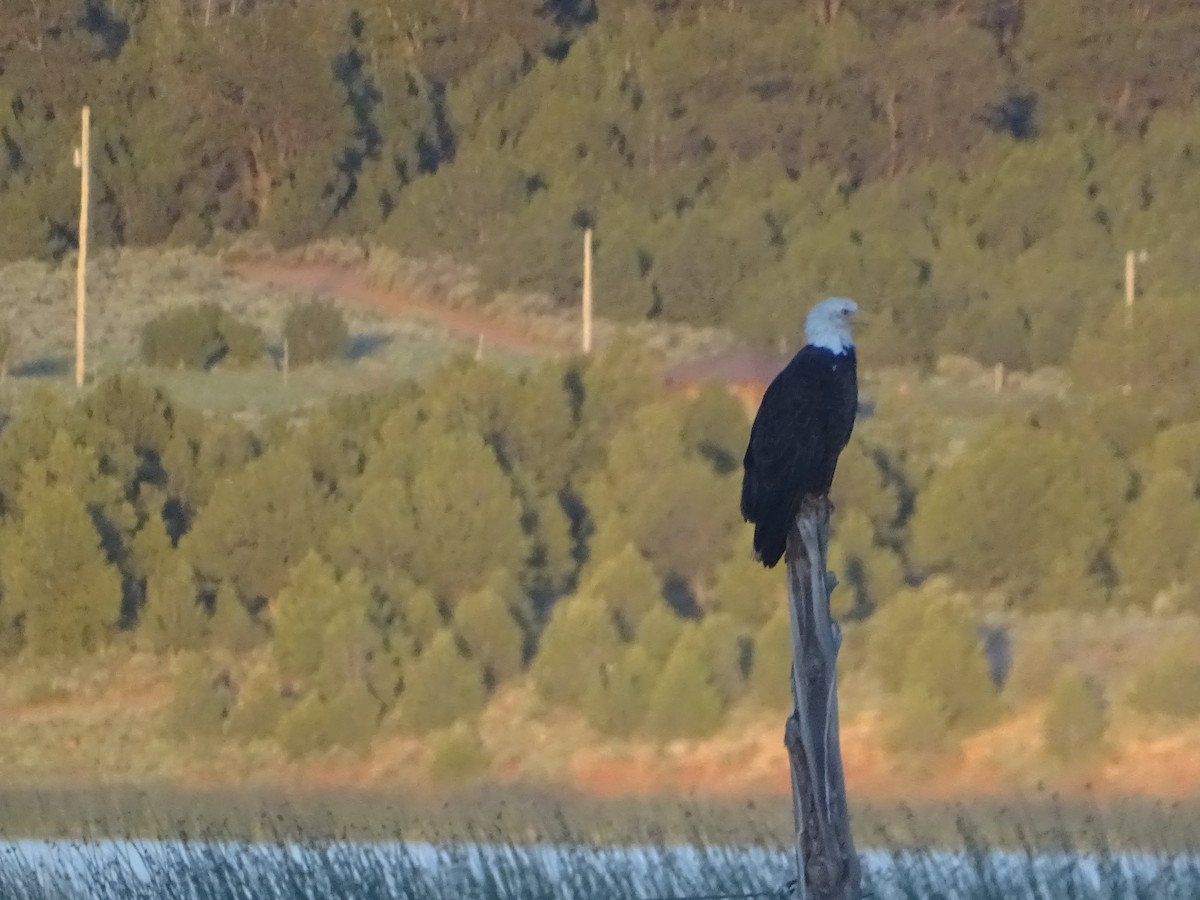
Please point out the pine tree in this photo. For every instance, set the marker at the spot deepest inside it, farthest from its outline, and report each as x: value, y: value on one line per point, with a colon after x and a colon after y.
x: 172, y: 618
x: 443, y: 686
x: 615, y: 704
x: 1157, y: 537
x: 301, y: 614
x: 726, y: 646
x: 258, y: 523
x: 627, y: 585
x: 771, y: 670
x: 578, y: 644
x: 231, y: 624
x: 748, y: 592
x: 686, y: 702
x: 926, y: 644
x: 487, y: 626
x: 55, y: 575
x: 659, y: 632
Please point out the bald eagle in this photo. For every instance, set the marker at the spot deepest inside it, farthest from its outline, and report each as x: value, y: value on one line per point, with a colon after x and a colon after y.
x: 802, y: 425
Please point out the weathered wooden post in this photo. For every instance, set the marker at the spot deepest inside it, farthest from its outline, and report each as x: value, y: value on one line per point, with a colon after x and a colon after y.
x: 827, y: 866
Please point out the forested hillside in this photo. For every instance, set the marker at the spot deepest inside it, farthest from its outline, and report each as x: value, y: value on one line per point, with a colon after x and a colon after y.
x: 973, y: 171
x: 390, y: 562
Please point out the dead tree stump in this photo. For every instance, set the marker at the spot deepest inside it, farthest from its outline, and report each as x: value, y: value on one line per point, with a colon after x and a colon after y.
x: 827, y: 865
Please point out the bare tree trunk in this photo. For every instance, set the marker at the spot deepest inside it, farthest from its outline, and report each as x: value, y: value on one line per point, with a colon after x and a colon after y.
x: 827, y: 865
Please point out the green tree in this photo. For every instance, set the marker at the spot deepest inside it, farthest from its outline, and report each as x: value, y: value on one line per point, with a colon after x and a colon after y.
x: 1017, y: 502
x: 494, y: 638
x: 1148, y: 357
x: 173, y: 618
x: 860, y: 487
x: 686, y: 701
x: 659, y: 632
x: 576, y: 647
x: 616, y: 703
x: 1157, y: 538
x: 459, y: 756
x: 142, y: 415
x: 258, y: 522
x: 771, y: 670
x: 926, y: 645
x: 727, y: 648
x: 715, y: 425
x: 419, y: 611
x: 317, y: 619
x: 870, y: 574
x: 232, y: 624
x: 748, y: 592
x: 443, y: 686
x: 627, y: 585
x: 199, y: 337
x: 7, y: 350
x: 199, y: 453
x: 458, y: 500
x: 57, y: 582
x: 1178, y: 448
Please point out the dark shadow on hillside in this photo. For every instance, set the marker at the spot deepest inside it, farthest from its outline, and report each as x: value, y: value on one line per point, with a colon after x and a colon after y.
x: 360, y: 346
x: 997, y: 646
x: 42, y: 367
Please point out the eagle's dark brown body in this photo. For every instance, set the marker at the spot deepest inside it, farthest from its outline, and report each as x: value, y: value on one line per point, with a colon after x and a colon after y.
x: 802, y: 425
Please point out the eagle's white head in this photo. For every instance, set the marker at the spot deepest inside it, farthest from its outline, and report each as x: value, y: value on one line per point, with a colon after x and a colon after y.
x: 829, y: 322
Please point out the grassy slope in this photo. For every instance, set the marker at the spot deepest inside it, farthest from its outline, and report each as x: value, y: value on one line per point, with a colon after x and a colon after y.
x: 127, y: 289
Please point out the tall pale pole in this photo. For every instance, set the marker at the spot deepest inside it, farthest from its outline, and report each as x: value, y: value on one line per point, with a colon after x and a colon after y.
x: 587, y: 291
x: 83, y: 161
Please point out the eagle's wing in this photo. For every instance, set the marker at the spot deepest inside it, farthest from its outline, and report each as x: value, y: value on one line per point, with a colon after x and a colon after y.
x: 788, y: 440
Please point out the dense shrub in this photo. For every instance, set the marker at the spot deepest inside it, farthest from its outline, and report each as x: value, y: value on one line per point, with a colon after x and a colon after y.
x: 1076, y: 718
x: 1168, y: 683
x: 244, y: 343
x: 315, y: 331
x: 200, y: 336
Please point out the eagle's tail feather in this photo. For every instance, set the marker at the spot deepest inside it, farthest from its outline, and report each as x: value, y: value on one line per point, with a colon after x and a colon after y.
x: 770, y: 539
